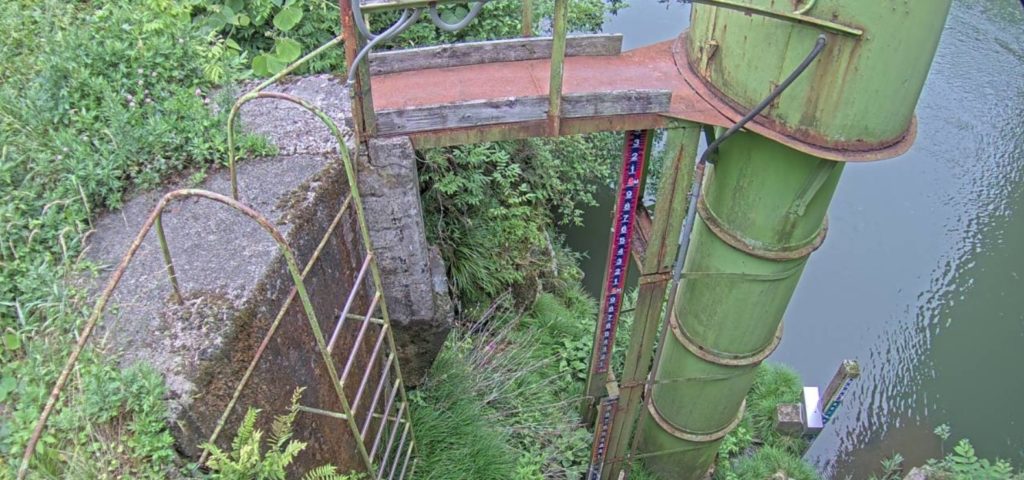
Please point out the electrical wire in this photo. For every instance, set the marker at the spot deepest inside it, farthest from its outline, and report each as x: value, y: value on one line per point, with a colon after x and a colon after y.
x: 407, y: 19
x: 454, y: 27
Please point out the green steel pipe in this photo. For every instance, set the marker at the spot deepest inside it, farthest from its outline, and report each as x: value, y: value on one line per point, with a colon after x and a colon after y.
x: 730, y: 302
x: 862, y: 92
x: 764, y: 204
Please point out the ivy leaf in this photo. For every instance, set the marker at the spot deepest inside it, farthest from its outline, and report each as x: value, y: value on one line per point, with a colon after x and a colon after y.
x: 228, y: 14
x: 454, y: 15
x: 12, y: 341
x: 7, y: 385
x: 287, y: 18
x: 287, y: 50
x: 259, y: 65
x: 275, y: 65
x: 215, y: 22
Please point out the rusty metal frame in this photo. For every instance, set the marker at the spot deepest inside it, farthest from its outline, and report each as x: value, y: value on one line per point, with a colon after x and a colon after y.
x: 363, y: 112
x: 396, y: 409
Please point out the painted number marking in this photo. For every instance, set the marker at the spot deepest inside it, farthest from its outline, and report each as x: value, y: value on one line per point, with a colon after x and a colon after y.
x: 634, y: 155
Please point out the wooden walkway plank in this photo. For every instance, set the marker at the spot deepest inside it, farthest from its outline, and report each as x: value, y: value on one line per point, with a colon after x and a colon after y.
x: 475, y: 53
x: 520, y: 109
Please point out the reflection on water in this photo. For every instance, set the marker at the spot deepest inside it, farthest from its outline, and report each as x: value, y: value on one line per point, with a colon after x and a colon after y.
x: 921, y: 276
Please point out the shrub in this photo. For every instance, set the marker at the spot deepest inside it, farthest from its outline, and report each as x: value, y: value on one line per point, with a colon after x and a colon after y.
x: 489, y: 207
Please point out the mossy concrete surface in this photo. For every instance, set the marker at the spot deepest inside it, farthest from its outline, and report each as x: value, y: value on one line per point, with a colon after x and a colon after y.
x: 235, y: 281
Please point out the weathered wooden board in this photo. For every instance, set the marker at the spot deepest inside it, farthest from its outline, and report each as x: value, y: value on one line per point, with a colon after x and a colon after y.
x: 480, y: 112
x: 521, y: 109
x: 619, y: 102
x: 511, y: 50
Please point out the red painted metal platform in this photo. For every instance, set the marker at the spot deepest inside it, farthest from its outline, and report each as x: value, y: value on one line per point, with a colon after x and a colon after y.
x: 662, y: 66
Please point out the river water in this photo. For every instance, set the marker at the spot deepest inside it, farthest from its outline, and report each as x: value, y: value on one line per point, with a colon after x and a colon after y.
x: 922, y: 276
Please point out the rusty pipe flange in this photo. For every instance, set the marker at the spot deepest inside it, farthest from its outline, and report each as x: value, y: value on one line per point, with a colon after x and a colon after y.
x: 800, y: 141
x: 778, y: 253
x: 690, y: 436
x: 723, y: 358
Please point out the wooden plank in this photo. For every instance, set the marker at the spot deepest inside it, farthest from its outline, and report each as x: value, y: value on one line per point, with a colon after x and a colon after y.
x: 520, y: 109
x: 619, y: 102
x: 480, y: 112
x: 473, y: 53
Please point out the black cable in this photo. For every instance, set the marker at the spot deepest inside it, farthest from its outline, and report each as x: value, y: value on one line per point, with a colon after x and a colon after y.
x: 818, y: 47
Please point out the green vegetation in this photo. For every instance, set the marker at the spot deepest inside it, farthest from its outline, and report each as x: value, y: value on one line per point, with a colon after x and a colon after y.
x: 501, y: 402
x: 960, y: 464
x: 97, y: 100
x: 490, y: 208
x: 755, y: 447
x: 250, y: 458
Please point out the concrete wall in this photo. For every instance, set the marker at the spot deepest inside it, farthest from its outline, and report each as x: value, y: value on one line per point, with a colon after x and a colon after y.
x: 235, y: 281
x: 415, y: 283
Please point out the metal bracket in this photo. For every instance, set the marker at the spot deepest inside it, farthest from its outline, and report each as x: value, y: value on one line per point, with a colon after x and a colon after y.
x: 792, y: 17
x: 707, y: 53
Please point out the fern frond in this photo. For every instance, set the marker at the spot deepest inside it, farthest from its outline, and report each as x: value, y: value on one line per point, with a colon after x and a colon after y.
x: 281, y: 429
x: 245, y: 430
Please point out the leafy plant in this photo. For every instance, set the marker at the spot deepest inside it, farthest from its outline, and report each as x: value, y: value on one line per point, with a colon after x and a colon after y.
x: 96, y: 99
x: 963, y: 464
x: 495, y: 404
x: 892, y: 468
x: 489, y: 207
x: 250, y: 459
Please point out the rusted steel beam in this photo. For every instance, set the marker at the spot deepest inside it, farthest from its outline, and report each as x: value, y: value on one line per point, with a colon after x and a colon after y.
x: 557, y: 65
x: 641, y: 235
x: 362, y: 105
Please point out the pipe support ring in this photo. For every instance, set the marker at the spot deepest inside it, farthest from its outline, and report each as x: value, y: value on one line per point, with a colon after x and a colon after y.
x: 690, y: 436
x: 721, y: 358
x: 778, y: 253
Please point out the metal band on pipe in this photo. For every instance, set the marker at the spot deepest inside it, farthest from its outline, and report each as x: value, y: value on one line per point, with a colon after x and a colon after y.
x: 778, y: 253
x: 690, y: 436
x: 721, y: 358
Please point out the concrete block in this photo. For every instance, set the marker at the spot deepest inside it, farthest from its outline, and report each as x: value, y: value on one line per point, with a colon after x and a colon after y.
x: 789, y: 419
x: 414, y: 278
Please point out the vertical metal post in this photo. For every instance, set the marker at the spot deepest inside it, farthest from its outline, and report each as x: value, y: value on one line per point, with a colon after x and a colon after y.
x: 836, y: 390
x: 560, y: 23
x: 527, y: 18
x: 606, y: 414
x: 635, y: 151
x: 681, y: 144
x: 363, y: 116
